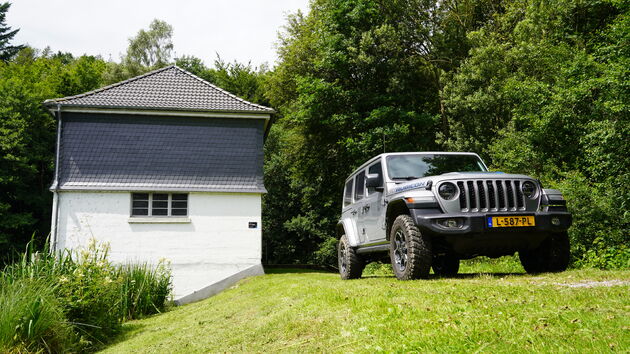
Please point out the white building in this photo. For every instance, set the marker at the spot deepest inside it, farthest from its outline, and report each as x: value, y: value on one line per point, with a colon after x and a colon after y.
x: 164, y: 165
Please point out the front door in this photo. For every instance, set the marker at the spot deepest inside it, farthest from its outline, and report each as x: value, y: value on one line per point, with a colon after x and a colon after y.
x: 373, y: 210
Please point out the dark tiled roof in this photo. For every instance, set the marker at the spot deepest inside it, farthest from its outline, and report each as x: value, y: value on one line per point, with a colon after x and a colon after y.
x: 155, y: 153
x: 169, y: 88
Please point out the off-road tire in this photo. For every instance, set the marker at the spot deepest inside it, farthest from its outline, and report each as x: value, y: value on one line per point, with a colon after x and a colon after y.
x: 445, y: 265
x: 551, y: 256
x: 350, y: 263
x: 410, y: 251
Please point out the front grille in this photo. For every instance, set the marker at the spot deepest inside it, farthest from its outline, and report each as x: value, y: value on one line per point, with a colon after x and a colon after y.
x: 491, y: 195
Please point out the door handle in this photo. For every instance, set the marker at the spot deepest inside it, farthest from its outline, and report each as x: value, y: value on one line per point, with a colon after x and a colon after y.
x: 354, y: 212
x: 366, y: 208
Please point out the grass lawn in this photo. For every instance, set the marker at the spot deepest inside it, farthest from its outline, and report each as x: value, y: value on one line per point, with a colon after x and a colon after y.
x: 501, y: 311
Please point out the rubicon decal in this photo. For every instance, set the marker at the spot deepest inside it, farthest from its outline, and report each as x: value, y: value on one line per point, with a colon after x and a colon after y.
x: 423, y: 184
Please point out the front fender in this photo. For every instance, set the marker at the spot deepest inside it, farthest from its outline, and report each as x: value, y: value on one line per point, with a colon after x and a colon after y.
x: 349, y: 228
x: 552, y: 200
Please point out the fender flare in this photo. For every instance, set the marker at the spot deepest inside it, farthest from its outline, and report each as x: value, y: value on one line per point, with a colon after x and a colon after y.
x: 348, y: 227
x: 395, y: 207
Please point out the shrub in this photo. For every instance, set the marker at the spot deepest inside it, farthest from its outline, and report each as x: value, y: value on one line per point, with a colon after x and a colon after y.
x: 599, y: 235
x: 83, y: 298
x: 89, y: 291
x: 32, y: 318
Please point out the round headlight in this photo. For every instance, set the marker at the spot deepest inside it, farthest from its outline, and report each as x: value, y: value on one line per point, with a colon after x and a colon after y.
x: 529, y: 189
x: 447, y: 190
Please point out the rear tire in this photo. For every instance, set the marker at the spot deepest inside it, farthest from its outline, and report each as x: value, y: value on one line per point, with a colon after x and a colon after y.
x: 551, y: 256
x: 410, y: 251
x: 445, y: 266
x: 350, y: 263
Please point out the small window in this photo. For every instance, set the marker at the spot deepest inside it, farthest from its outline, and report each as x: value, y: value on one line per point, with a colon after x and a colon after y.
x: 140, y: 204
x: 159, y: 204
x: 347, y: 193
x: 359, y: 186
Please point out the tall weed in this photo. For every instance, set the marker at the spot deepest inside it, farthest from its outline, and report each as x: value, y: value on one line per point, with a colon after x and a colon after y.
x: 32, y: 318
x: 145, y: 289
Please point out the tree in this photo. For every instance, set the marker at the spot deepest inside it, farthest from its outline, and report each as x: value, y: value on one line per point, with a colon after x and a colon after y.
x: 152, y: 48
x: 148, y: 50
x: 6, y: 35
x: 243, y: 80
x: 27, y: 138
x: 544, y: 91
x: 349, y: 85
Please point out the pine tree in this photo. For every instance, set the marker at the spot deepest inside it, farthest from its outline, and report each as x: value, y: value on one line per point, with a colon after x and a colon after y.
x: 6, y: 34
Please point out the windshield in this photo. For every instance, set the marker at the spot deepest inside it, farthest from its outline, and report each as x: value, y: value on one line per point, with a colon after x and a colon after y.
x: 423, y: 165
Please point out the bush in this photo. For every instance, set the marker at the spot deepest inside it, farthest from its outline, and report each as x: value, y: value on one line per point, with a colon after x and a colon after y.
x: 90, y: 294
x: 32, y: 318
x: 83, y: 296
x: 599, y: 235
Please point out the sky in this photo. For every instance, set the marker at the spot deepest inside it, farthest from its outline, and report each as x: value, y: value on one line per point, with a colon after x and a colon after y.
x: 241, y: 30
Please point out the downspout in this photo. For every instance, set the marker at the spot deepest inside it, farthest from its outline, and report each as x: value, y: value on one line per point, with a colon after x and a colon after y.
x: 55, y: 211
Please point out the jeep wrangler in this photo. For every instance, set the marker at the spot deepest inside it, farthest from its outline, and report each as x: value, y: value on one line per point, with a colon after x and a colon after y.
x: 432, y: 209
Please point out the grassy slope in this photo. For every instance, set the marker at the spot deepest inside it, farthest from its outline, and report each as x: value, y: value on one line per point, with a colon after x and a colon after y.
x: 287, y: 311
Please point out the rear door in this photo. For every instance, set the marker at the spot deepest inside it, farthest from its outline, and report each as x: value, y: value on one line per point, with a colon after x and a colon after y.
x: 349, y: 211
x: 359, y: 204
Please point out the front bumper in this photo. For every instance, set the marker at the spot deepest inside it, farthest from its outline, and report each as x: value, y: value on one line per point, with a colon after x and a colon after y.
x: 473, y: 237
x: 477, y: 223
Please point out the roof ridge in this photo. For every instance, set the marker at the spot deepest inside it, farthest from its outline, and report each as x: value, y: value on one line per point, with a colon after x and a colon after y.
x: 104, y: 88
x: 206, y: 82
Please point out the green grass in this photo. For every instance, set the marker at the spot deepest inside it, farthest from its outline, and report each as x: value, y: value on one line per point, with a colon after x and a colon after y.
x: 502, y: 311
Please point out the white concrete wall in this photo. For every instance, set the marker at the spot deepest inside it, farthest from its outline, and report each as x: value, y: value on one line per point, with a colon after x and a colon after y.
x: 214, y: 245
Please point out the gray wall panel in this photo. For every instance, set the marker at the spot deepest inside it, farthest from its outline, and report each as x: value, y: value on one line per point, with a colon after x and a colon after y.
x: 132, y: 152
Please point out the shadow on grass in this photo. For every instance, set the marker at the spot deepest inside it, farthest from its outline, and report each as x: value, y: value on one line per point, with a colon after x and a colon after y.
x: 457, y: 276
x: 298, y: 268
x: 479, y: 274
x: 129, y: 330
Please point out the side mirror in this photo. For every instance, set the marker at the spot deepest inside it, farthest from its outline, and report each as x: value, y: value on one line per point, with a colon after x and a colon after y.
x: 374, y: 181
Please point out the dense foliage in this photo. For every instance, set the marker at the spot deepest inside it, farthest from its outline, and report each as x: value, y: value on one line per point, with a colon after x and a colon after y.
x: 75, y: 301
x: 350, y: 85
x: 535, y: 87
x: 27, y: 137
x: 546, y: 91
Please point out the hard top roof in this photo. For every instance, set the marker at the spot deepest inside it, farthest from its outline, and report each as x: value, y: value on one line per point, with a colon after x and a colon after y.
x: 168, y: 88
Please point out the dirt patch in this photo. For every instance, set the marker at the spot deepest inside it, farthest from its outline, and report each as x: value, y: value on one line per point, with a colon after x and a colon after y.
x: 593, y: 284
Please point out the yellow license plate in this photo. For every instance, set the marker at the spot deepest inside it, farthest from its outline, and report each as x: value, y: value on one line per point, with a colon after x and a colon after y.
x: 511, y: 221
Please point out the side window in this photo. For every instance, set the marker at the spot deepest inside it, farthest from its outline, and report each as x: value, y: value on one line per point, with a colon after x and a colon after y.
x: 359, y: 186
x: 159, y: 204
x: 347, y: 193
x: 376, y: 169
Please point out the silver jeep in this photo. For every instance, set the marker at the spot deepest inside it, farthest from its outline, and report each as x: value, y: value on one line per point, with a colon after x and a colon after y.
x: 432, y: 209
